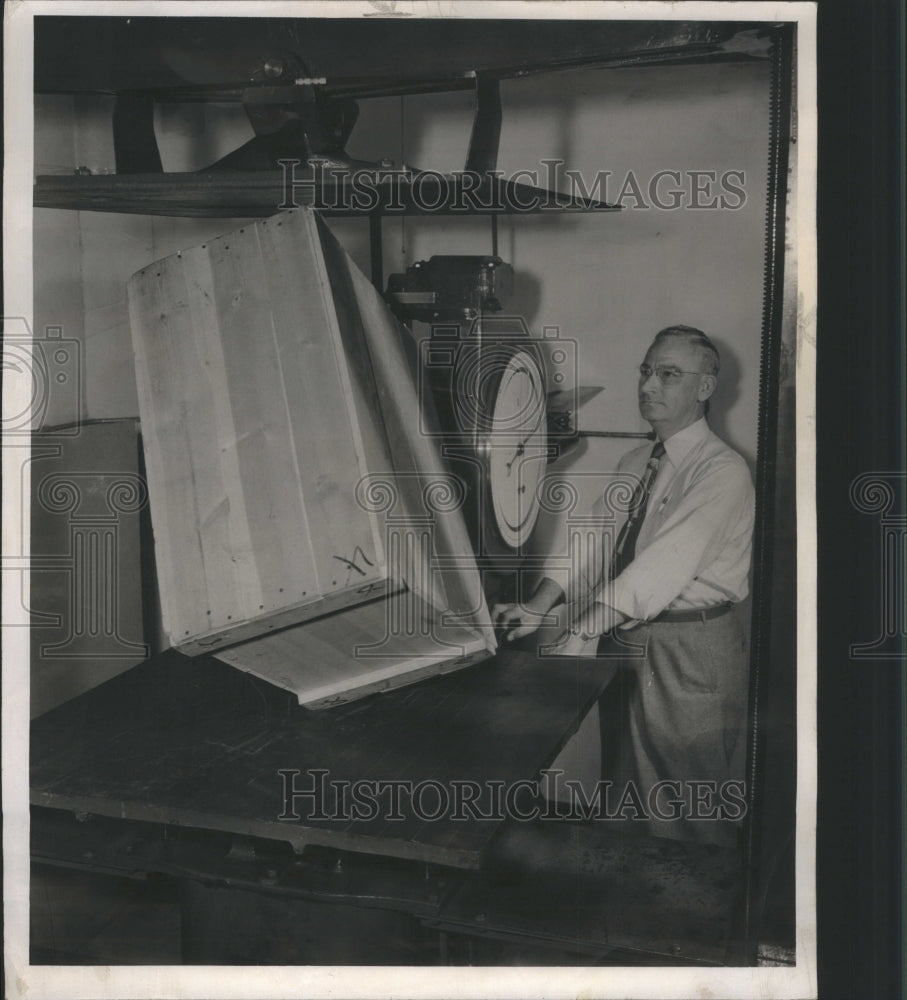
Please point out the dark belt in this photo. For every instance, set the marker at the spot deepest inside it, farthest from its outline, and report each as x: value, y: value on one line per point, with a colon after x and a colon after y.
x: 692, y: 615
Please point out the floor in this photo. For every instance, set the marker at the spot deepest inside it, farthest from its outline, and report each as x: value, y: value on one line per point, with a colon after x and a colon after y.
x: 81, y: 919
x: 78, y: 918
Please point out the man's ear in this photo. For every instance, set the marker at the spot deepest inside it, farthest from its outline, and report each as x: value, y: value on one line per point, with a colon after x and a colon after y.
x: 707, y: 385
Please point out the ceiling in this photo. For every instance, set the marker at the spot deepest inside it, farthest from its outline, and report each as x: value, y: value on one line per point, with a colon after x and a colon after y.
x: 112, y: 54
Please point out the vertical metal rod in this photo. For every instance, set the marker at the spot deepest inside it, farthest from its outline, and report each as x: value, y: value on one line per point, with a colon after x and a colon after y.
x: 494, y: 235
x: 376, y: 248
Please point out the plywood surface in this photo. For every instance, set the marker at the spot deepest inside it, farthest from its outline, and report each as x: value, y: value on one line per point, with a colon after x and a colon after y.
x: 367, y: 648
x: 252, y: 445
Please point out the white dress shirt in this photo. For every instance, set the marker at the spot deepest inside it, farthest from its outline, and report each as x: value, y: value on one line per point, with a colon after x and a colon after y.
x: 695, y: 544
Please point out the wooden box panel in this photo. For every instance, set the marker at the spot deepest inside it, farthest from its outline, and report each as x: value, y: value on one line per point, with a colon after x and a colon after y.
x: 373, y: 647
x: 252, y: 445
x: 277, y: 411
x: 425, y: 492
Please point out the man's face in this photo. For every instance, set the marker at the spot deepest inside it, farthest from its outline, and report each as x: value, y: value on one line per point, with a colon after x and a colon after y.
x: 670, y: 406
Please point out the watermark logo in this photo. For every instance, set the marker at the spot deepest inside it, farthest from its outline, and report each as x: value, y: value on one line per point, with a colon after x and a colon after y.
x: 313, y: 795
x: 590, y: 533
x: 466, y: 365
x: 411, y: 506
x: 76, y: 560
x: 884, y: 495
x: 42, y: 375
x: 550, y: 187
x: 93, y: 504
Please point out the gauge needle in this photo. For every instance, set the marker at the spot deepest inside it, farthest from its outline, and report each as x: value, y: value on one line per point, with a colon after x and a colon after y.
x: 516, y: 454
x: 521, y: 447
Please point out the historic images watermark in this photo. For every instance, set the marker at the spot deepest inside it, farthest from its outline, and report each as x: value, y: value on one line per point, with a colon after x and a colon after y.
x: 312, y: 795
x: 884, y: 494
x: 410, y: 548
x: 77, y: 565
x: 552, y: 186
x: 43, y: 370
x: 507, y: 444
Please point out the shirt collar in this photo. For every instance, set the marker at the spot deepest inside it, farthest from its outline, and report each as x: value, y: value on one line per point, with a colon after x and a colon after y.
x: 679, y: 445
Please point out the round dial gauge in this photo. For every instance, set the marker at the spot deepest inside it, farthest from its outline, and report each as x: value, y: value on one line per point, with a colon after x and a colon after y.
x: 517, y: 447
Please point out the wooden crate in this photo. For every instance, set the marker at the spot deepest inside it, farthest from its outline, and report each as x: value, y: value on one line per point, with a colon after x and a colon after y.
x: 288, y: 475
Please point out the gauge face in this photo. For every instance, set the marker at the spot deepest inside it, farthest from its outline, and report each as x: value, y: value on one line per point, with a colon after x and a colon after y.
x: 517, y: 447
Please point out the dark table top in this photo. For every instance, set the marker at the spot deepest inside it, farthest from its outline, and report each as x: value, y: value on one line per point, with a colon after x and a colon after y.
x: 196, y: 743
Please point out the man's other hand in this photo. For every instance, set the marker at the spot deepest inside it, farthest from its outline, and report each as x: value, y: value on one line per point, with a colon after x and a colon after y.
x: 513, y: 621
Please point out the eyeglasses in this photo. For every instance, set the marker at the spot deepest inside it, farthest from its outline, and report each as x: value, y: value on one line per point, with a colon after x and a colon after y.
x: 667, y: 376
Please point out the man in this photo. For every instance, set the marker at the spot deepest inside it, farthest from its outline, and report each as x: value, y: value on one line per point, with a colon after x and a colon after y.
x: 667, y: 599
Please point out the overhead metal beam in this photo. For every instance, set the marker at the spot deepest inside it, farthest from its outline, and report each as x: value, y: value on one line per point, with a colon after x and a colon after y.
x: 485, y: 139
x: 256, y: 194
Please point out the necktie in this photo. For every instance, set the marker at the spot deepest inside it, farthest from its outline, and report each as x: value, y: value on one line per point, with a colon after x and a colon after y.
x: 625, y: 549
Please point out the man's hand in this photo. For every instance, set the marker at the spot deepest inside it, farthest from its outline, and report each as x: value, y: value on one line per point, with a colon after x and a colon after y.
x: 516, y: 620
x: 570, y: 644
x: 581, y: 638
x: 513, y: 621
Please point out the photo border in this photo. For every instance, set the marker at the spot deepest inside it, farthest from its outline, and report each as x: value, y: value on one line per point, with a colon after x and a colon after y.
x: 167, y: 981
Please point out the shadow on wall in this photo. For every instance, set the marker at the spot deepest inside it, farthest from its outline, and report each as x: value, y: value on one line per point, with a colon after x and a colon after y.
x: 725, y: 397
x: 525, y: 299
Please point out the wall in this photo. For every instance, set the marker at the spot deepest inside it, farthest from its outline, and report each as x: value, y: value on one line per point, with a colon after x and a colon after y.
x: 610, y: 281
x: 82, y: 261
x: 607, y: 281
x: 57, y: 254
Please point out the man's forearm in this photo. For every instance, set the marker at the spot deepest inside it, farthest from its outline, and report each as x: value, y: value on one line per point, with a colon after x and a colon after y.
x: 547, y: 595
x: 598, y: 619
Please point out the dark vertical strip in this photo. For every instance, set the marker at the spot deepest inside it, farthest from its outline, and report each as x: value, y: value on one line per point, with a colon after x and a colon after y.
x: 485, y: 138
x: 766, y: 468
x: 861, y: 419
x: 376, y: 247
x: 134, y: 143
x: 152, y: 626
